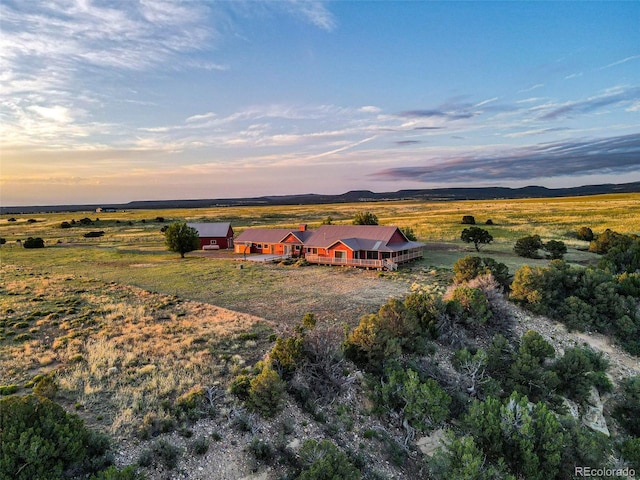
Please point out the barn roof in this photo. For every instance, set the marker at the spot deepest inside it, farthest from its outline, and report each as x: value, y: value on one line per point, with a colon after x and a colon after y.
x: 211, y: 229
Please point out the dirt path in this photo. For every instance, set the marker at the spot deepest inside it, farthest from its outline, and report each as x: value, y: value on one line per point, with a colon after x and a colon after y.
x: 622, y: 364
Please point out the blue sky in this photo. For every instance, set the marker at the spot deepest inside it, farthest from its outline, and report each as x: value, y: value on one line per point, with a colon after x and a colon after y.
x: 112, y: 101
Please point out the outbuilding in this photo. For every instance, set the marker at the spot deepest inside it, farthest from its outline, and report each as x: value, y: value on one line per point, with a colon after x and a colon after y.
x: 214, y: 236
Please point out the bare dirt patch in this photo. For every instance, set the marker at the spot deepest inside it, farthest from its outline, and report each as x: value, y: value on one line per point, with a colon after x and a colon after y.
x: 622, y: 364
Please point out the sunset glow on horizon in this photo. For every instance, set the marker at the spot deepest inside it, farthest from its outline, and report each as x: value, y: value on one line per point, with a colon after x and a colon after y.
x: 107, y: 101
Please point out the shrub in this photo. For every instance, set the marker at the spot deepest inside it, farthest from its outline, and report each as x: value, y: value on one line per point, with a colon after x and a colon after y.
x: 622, y: 258
x: 189, y: 403
x: 530, y: 290
x: 528, y: 247
x: 38, y: 439
x: 582, y: 298
x: 266, y: 392
x: 153, y: 424
x: 93, y: 234
x: 286, y: 354
x: 240, y: 385
x: 365, y: 218
x: 167, y: 453
x: 527, y: 373
x: 199, y: 446
x: 467, y: 268
x: 489, y: 222
x: 409, y: 233
x: 470, y: 267
x: 468, y: 220
x: 462, y: 459
x: 309, y: 320
x: 578, y: 373
x: 423, y: 404
x: 383, y: 335
x: 583, y: 446
x: 323, y: 376
x: 527, y: 438
x: 113, y: 473
x: 260, y: 449
x: 629, y: 405
x: 33, y: 243
x: 608, y: 240
x: 556, y: 249
x: 65, y: 225
x: 472, y: 305
x: 323, y: 461
x: 46, y: 387
x: 8, y: 389
x: 429, y: 308
x: 584, y: 233
x: 476, y: 236
x: 630, y: 450
x: 3, y: 241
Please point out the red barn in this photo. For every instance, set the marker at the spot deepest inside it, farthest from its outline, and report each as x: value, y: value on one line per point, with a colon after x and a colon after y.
x: 214, y: 236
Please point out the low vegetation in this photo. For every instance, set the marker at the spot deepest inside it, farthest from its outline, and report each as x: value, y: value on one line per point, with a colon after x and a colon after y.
x: 114, y: 337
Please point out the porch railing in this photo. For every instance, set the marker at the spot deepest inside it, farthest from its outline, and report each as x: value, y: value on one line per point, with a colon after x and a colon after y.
x: 388, y: 263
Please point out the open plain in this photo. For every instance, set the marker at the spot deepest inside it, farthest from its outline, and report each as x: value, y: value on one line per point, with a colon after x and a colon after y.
x: 130, y: 330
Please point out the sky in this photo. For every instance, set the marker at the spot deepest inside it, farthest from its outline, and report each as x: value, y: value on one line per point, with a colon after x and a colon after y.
x: 110, y: 101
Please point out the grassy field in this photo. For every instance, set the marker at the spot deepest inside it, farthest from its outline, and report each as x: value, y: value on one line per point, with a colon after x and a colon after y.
x: 130, y: 328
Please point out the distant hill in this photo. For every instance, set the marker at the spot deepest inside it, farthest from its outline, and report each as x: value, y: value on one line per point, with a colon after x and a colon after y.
x: 434, y: 194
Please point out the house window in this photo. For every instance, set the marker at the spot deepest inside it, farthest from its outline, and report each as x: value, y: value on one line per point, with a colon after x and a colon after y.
x: 297, y: 248
x: 259, y: 246
x: 340, y: 255
x: 214, y: 242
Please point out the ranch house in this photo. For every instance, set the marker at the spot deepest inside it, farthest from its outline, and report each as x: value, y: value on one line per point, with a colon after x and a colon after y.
x: 214, y: 236
x: 370, y: 246
x: 275, y: 241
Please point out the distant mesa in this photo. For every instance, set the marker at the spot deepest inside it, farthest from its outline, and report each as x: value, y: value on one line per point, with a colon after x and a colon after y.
x: 434, y: 194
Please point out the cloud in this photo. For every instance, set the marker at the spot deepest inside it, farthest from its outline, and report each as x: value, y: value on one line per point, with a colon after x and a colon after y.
x: 197, y: 118
x: 538, y: 131
x: 57, y: 113
x: 315, y: 13
x: 531, y: 88
x: 485, y: 102
x: 573, y: 158
x: 451, y: 115
x: 611, y: 97
x: 620, y: 62
x: 369, y: 109
x: 407, y: 142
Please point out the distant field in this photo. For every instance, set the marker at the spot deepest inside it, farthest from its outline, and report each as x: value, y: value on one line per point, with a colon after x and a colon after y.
x: 132, y: 249
x: 106, y: 311
x: 433, y: 221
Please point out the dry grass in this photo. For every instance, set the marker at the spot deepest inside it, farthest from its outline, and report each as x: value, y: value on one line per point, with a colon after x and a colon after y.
x: 121, y: 352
